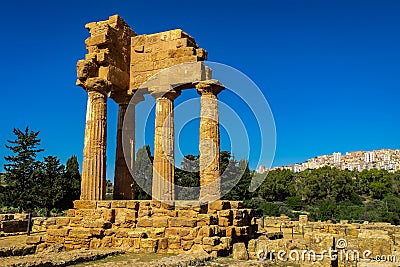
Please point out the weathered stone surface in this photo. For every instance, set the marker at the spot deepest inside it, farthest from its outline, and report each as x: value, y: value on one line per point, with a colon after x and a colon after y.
x: 163, y: 164
x: 209, y: 141
x: 219, y: 205
x: 93, y: 185
x: 239, y: 252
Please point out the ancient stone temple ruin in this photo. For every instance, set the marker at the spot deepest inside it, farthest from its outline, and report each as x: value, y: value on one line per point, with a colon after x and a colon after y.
x: 120, y: 64
x: 124, y: 66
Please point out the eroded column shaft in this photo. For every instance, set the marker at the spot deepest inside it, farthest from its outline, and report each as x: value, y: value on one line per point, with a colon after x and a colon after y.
x: 209, y: 147
x: 123, y: 180
x: 163, y: 164
x: 93, y: 185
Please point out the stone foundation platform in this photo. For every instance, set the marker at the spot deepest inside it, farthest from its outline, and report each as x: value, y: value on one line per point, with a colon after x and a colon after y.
x: 152, y: 226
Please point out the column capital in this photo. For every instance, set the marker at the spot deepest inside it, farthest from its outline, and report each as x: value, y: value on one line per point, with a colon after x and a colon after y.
x: 209, y: 87
x: 95, y: 84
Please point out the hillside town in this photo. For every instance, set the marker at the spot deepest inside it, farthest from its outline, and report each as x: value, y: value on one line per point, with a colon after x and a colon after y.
x: 383, y: 159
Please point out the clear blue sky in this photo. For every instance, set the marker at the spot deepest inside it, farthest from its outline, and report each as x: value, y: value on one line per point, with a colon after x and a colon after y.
x: 329, y: 69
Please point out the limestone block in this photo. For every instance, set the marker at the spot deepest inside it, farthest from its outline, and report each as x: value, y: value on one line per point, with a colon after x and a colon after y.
x: 177, y: 231
x: 205, y: 231
x: 81, y: 233
x: 187, y: 213
x: 104, y: 204
x: 174, y: 242
x: 225, y: 222
x: 95, y: 243
x: 160, y: 222
x: 54, y: 239
x: 149, y: 245
x: 192, y: 235
x: 118, y: 204
x: 144, y: 204
x: 75, y: 222
x: 33, y: 239
x: 145, y: 222
x: 206, y: 219
x: 225, y: 213
x: 58, y: 232
x: 137, y: 233
x: 85, y: 204
x: 132, y: 204
x: 121, y: 232
x: 106, y: 241
x: 115, y: 75
x: 110, y: 232
x: 144, y: 212
x: 211, y: 241
x: 239, y: 252
x: 62, y: 221
x: 172, y: 213
x: 182, y: 222
x: 219, y: 205
x: 157, y: 232
x: 97, y: 40
x: 108, y: 215
x: 187, y: 244
x: 88, y: 213
x: 97, y: 223
x: 117, y: 241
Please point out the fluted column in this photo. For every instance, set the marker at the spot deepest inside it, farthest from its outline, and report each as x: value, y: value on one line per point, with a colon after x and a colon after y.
x: 209, y: 145
x: 125, y: 161
x: 123, y: 180
x: 93, y: 184
x: 163, y: 164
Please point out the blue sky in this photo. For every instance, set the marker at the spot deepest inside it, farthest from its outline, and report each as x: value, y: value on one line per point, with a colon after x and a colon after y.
x: 329, y: 69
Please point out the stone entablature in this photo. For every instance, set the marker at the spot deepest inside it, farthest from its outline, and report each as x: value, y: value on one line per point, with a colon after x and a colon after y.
x: 153, y: 226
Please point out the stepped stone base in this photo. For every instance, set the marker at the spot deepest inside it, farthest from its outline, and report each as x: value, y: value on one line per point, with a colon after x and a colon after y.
x: 152, y: 226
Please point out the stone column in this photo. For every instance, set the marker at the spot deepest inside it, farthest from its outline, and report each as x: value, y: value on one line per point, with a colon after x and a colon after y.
x: 163, y: 164
x: 125, y: 162
x: 123, y: 180
x: 209, y: 145
x: 93, y: 184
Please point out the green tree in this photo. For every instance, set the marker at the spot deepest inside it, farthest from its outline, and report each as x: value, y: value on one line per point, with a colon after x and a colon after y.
x: 231, y: 176
x: 71, y: 184
x: 278, y: 185
x: 143, y: 174
x: 325, y: 183
x: 22, y: 169
x: 51, y: 185
x: 188, y: 176
x: 327, y: 210
x: 240, y: 172
x: 294, y: 202
x: 379, y: 183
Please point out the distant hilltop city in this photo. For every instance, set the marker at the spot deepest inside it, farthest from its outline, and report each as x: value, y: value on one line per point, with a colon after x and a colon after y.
x: 383, y: 159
